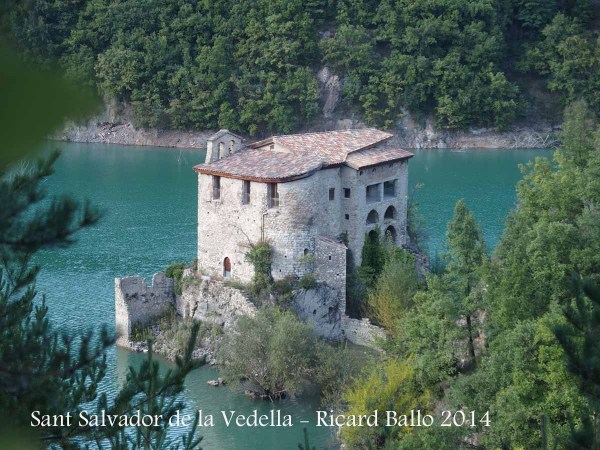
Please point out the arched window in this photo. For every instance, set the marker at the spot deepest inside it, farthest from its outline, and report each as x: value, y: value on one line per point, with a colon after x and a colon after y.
x: 390, y: 213
x: 226, y: 267
x: 305, y: 251
x: 390, y: 233
x: 373, y: 217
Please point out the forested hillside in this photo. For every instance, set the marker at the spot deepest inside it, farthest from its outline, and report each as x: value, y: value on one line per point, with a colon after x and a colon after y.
x: 251, y: 65
x: 508, y: 343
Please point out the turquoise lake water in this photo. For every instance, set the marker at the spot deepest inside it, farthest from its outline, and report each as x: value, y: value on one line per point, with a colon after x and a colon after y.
x: 148, y: 196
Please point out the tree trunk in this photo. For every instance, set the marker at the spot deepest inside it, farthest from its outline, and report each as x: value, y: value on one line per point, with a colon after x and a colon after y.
x: 471, y: 343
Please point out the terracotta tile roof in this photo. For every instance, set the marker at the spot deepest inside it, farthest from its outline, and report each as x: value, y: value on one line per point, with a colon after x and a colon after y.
x: 332, y: 146
x: 263, y: 165
x: 373, y: 156
x: 299, y: 155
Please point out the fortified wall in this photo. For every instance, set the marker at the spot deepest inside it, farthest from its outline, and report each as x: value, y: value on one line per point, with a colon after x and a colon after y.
x: 136, y: 303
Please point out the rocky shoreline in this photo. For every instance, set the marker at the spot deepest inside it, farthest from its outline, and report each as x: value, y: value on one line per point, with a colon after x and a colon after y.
x: 111, y: 129
x: 164, y: 345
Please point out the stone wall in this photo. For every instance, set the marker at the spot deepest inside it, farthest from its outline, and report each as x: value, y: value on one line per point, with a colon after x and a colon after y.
x: 362, y: 332
x: 136, y: 303
x: 226, y: 227
x: 212, y: 301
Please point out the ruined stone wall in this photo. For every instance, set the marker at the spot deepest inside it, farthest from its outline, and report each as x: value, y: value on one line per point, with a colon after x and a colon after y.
x: 212, y: 301
x: 330, y: 267
x: 136, y: 303
x: 362, y: 332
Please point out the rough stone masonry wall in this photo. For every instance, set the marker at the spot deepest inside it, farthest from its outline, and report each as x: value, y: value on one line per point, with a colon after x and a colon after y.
x: 212, y: 301
x: 226, y: 227
x: 137, y: 303
x: 358, y: 208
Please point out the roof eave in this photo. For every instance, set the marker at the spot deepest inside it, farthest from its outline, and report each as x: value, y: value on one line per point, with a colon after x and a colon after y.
x: 255, y: 179
x: 388, y: 161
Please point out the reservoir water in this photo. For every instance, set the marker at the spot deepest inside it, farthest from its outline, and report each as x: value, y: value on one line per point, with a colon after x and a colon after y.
x: 148, y: 196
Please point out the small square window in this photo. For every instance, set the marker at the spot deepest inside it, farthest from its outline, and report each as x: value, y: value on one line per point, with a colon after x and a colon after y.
x: 347, y: 216
x: 331, y: 194
x: 347, y: 192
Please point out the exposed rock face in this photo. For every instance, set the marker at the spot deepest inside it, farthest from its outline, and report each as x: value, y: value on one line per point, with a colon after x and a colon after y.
x: 362, y: 332
x: 409, y: 134
x: 115, y: 126
x: 330, y: 91
x: 211, y: 301
x: 321, y: 308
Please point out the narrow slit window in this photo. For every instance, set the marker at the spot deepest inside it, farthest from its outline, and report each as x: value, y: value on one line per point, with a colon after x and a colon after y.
x: 273, y: 195
x: 331, y: 194
x: 245, y: 192
x: 216, y: 188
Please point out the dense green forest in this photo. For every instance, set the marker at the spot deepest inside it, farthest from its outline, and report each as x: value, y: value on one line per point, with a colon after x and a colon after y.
x: 251, y: 66
x: 515, y: 334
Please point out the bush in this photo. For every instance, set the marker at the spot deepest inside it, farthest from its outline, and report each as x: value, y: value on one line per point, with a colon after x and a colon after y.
x: 308, y: 281
x: 394, y: 291
x: 175, y: 271
x: 273, y: 351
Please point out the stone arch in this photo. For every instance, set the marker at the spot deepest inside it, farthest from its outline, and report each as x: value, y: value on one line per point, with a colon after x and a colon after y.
x: 227, y: 267
x: 390, y: 213
x: 372, y: 217
x: 390, y: 233
x: 373, y: 234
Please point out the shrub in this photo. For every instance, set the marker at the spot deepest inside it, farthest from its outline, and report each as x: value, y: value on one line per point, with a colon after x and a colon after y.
x: 308, y: 281
x: 273, y: 351
x: 175, y: 271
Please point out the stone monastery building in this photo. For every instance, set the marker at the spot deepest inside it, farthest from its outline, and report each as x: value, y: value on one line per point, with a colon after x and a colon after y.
x: 300, y: 193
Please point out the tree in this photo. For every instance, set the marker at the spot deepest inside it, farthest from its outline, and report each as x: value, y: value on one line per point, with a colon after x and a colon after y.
x: 272, y: 350
x: 579, y: 339
x: 466, y: 258
x: 394, y: 291
x: 58, y: 373
x: 372, y: 258
x: 388, y: 386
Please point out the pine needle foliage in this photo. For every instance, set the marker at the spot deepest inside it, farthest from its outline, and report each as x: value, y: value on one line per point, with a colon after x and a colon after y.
x: 58, y: 373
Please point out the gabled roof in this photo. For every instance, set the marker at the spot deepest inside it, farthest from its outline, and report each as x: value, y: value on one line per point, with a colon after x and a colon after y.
x: 263, y: 165
x: 290, y: 157
x: 332, y: 146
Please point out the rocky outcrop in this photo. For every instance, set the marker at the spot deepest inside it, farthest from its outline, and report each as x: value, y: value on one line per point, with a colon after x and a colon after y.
x: 330, y: 91
x: 409, y: 134
x: 211, y: 301
x: 320, y: 307
x: 116, y: 126
x: 363, y: 332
